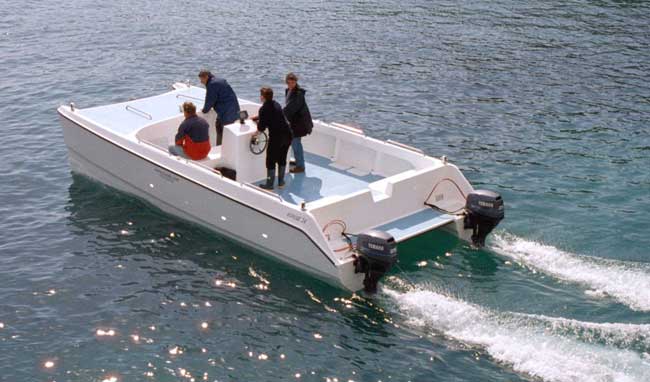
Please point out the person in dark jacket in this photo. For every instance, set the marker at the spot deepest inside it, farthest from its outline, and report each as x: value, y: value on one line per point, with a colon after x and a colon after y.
x: 193, y: 138
x: 220, y: 96
x: 271, y: 117
x: 299, y: 117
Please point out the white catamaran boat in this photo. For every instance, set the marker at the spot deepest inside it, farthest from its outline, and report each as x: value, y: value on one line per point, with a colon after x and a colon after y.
x: 341, y: 220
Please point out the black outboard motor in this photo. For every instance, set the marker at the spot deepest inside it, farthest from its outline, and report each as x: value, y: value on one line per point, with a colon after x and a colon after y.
x: 376, y: 254
x: 484, y: 210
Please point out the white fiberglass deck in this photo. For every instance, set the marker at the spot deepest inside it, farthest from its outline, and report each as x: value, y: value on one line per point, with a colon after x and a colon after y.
x: 129, y: 117
x: 323, y: 178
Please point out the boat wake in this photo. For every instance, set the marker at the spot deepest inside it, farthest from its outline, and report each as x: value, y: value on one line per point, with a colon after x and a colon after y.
x: 624, y: 336
x: 553, y: 349
x: 627, y: 282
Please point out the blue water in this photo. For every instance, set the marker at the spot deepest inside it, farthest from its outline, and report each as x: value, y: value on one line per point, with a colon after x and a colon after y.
x: 547, y: 103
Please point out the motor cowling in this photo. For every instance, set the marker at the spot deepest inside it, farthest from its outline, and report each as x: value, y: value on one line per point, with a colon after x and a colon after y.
x: 484, y: 210
x: 376, y: 254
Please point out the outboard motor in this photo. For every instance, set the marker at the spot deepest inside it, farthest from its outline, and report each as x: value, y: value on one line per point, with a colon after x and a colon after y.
x: 484, y: 210
x: 376, y: 254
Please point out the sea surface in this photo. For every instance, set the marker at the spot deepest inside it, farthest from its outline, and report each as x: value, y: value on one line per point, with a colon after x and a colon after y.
x: 547, y: 103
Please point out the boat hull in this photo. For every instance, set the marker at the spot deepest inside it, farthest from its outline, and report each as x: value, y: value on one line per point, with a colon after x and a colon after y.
x: 110, y: 163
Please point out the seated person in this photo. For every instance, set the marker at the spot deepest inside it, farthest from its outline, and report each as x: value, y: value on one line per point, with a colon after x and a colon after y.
x: 192, y: 139
x: 271, y: 116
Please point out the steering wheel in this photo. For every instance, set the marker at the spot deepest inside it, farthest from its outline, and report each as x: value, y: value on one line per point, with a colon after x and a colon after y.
x: 259, y: 143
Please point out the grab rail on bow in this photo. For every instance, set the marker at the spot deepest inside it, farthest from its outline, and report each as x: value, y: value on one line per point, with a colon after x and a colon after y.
x: 139, y: 112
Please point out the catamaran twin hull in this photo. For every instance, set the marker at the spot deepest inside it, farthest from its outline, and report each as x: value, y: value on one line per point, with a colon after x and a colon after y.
x: 340, y: 220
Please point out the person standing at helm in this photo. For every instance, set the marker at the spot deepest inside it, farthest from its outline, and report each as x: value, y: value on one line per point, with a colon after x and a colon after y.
x: 271, y: 117
x: 299, y: 118
x: 220, y: 96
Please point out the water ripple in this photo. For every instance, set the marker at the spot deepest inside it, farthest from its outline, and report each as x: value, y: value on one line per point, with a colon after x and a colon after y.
x: 547, y: 103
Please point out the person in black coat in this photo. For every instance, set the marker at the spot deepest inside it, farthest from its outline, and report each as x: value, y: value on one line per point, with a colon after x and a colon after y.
x: 271, y: 117
x: 299, y: 117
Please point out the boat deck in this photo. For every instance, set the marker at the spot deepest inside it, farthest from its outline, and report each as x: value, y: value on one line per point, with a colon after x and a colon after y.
x: 128, y: 117
x: 323, y: 178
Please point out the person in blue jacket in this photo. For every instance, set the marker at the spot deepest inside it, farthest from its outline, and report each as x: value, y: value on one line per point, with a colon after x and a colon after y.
x: 220, y: 96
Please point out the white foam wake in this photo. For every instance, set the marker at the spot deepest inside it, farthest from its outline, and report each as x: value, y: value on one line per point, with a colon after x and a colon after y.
x: 526, y: 348
x: 628, y: 336
x: 627, y: 282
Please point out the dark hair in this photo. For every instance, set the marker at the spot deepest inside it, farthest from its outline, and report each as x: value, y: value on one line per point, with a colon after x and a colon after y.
x: 291, y: 76
x: 267, y: 93
x: 205, y: 73
x: 189, y: 108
